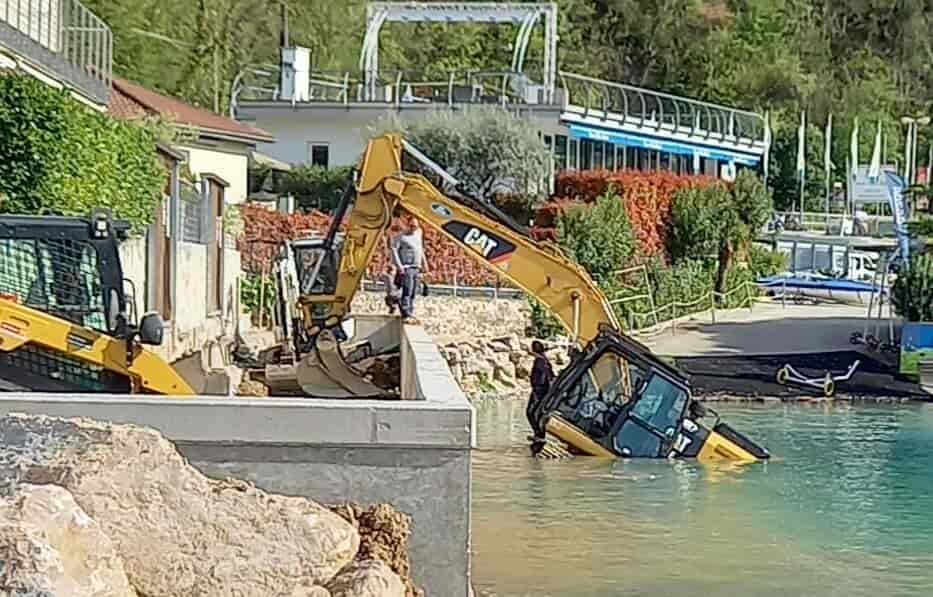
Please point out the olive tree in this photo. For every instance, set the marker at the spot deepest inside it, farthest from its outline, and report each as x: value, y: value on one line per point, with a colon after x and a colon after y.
x: 487, y: 148
x: 720, y: 220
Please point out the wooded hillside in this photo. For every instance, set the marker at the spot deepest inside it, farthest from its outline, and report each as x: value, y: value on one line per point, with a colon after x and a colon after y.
x: 865, y: 58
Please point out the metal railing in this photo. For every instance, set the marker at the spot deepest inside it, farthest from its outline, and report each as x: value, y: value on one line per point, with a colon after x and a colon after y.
x: 396, y: 88
x: 63, y: 36
x: 615, y: 103
x: 836, y: 224
x: 622, y: 104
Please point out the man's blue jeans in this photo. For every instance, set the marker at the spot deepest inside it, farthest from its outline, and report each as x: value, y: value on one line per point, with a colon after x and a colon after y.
x: 409, y: 284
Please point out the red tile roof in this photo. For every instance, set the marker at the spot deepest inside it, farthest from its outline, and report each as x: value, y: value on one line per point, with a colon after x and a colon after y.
x: 129, y: 100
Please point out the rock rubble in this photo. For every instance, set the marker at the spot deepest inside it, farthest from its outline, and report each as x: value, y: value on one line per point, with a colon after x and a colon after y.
x: 88, y: 508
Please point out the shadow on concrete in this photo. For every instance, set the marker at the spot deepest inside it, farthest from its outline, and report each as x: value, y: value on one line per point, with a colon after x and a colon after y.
x: 755, y: 375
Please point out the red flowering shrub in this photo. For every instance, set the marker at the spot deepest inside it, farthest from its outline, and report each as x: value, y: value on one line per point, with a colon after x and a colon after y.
x: 264, y: 230
x: 647, y: 195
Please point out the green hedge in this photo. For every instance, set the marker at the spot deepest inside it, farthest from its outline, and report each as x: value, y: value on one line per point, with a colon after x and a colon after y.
x: 60, y: 156
x: 912, y: 293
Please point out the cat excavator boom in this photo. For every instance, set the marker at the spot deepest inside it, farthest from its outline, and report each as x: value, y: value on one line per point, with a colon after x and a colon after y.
x: 614, y: 399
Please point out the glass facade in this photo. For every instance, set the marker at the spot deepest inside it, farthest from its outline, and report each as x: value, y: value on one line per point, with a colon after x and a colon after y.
x: 571, y: 153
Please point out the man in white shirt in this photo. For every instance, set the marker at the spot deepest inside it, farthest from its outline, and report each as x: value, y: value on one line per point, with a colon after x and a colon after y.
x: 408, y: 258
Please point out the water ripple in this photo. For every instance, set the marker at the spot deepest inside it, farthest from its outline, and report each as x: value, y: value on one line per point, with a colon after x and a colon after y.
x: 844, y: 509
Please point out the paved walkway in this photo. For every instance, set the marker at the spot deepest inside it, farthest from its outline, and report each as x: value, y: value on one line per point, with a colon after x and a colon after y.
x: 768, y: 328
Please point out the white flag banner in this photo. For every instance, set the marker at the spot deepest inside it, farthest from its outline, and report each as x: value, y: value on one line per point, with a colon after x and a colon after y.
x: 854, y: 149
x: 828, y: 150
x: 801, y: 147
x: 874, y: 170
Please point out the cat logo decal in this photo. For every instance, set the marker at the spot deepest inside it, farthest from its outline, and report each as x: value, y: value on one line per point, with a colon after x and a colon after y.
x: 492, y: 247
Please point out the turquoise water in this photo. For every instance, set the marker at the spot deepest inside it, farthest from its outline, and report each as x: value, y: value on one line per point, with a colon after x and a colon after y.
x: 845, y: 508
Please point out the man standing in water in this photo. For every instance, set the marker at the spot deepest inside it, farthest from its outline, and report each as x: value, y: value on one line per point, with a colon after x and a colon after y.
x: 408, y: 257
x: 542, y: 376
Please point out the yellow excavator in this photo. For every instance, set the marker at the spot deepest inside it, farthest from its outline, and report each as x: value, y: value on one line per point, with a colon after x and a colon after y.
x: 615, y: 398
x: 66, y: 324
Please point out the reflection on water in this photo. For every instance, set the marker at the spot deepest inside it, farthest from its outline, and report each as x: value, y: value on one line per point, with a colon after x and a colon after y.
x: 844, y: 508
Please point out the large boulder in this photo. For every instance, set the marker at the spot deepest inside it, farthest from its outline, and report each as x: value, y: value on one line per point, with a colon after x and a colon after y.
x: 384, y: 534
x: 178, y: 532
x: 367, y: 578
x: 50, y: 547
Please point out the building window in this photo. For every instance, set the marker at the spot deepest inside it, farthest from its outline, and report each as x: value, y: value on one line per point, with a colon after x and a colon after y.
x: 599, y: 155
x: 560, y: 152
x: 319, y: 154
x: 620, y: 157
x: 573, y: 161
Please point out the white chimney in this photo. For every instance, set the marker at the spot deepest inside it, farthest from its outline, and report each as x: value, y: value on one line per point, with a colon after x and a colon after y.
x: 296, y: 74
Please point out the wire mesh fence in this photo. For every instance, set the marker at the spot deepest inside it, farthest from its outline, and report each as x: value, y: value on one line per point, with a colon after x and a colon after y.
x: 192, y: 215
x: 56, y: 276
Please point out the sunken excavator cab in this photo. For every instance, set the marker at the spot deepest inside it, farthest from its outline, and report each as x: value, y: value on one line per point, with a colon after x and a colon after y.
x: 614, y: 399
x: 590, y: 411
x: 66, y: 324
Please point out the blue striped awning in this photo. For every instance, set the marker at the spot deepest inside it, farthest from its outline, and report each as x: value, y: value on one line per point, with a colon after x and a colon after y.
x: 656, y: 144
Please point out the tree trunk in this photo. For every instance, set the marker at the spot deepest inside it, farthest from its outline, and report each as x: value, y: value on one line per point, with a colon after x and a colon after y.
x: 725, y: 262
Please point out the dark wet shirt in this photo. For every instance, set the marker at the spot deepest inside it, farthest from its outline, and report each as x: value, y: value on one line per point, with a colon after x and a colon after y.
x: 542, y: 375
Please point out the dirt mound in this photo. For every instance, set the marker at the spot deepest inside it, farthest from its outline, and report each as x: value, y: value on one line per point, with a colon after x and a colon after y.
x: 384, y: 533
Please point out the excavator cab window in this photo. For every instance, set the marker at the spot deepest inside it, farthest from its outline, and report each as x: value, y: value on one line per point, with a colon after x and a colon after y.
x: 317, y: 267
x: 652, y: 422
x: 595, y: 401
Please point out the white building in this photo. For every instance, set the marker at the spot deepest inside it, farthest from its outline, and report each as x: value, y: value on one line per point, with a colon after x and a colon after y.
x: 59, y: 42
x: 587, y: 123
x: 188, y: 263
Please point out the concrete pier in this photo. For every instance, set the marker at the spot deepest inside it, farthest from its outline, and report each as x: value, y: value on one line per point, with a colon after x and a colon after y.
x: 413, y: 453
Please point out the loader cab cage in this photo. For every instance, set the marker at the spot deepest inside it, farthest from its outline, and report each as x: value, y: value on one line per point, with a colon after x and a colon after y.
x: 66, y: 267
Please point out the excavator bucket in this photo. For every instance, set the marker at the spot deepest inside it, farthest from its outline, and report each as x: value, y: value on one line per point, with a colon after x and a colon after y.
x: 324, y: 373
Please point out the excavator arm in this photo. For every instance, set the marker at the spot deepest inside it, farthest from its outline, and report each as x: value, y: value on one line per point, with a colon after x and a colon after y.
x: 538, y: 268
x: 614, y: 399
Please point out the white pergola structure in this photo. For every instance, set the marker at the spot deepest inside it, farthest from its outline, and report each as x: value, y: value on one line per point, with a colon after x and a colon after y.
x: 524, y: 15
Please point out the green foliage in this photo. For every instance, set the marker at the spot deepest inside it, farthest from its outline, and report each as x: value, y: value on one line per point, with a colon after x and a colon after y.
x: 60, y: 156
x: 912, y: 293
x: 697, y: 222
x: 256, y: 289
x: 764, y: 262
x: 719, y: 221
x: 688, y: 283
x: 922, y: 227
x: 752, y: 203
x: 599, y: 236
x: 316, y: 187
x: 487, y: 148
x: 541, y: 323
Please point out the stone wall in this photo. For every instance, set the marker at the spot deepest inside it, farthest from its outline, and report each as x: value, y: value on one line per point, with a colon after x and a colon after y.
x: 483, y: 340
x: 449, y: 319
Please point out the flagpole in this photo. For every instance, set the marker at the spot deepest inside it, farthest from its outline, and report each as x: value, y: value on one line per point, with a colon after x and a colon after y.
x: 767, y: 154
x: 848, y: 185
x: 827, y: 159
x: 802, y: 159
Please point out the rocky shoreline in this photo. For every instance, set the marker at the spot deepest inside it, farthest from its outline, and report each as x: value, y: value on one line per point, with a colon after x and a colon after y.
x: 90, y: 509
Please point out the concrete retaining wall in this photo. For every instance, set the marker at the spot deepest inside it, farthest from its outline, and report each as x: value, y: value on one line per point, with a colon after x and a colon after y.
x: 414, y: 454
